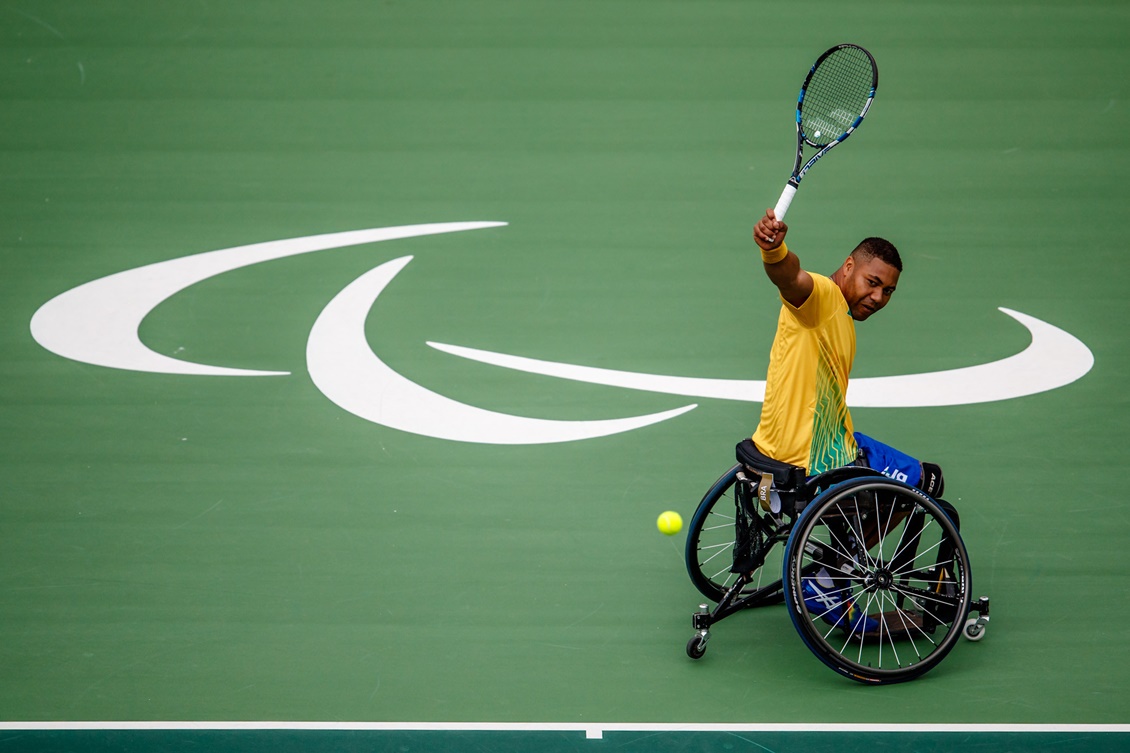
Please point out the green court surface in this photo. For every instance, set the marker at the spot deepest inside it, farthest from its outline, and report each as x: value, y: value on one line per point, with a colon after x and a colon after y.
x: 241, y: 548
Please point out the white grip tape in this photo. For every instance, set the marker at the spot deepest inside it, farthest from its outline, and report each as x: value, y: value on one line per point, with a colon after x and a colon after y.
x: 784, y: 202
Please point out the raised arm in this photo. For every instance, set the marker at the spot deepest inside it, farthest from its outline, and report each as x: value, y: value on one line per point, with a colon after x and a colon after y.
x: 783, y: 268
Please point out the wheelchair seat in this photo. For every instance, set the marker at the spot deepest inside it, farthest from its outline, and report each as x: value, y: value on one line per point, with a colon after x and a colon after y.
x: 788, y: 478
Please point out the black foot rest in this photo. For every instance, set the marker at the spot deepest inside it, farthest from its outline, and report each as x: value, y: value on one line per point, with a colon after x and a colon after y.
x: 786, y: 477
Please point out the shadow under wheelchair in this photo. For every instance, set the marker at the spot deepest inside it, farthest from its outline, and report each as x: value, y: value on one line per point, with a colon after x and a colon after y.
x: 873, y: 572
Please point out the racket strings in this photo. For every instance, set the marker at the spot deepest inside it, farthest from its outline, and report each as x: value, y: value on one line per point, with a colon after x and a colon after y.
x: 836, y: 95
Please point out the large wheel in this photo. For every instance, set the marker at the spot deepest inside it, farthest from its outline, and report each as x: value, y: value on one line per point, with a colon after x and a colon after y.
x: 710, y: 548
x: 877, y: 580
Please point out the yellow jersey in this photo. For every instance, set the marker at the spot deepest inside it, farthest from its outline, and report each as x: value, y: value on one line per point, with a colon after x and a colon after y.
x: 805, y: 419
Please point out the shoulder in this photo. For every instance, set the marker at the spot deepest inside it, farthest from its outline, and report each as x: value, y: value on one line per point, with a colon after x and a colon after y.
x: 824, y: 285
x: 825, y: 301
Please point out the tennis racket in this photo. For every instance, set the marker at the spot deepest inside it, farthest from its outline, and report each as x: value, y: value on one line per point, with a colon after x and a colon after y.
x: 833, y: 101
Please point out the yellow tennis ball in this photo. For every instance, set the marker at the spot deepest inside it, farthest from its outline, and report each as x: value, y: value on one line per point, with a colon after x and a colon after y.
x: 670, y: 523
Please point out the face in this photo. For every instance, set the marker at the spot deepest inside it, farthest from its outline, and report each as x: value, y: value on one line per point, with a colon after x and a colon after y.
x: 867, y: 284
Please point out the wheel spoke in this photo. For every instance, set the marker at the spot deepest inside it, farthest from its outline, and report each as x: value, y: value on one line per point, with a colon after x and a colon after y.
x: 711, y: 542
x: 879, y: 543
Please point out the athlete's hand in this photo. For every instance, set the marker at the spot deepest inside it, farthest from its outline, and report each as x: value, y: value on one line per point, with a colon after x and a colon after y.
x: 769, y: 232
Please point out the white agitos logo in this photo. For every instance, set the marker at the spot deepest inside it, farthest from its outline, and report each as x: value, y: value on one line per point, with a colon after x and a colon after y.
x: 98, y: 322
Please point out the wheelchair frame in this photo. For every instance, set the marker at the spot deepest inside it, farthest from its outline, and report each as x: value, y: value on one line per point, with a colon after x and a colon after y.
x: 873, y: 572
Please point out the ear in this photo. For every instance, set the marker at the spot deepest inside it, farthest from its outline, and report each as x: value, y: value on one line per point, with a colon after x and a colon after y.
x: 848, y: 265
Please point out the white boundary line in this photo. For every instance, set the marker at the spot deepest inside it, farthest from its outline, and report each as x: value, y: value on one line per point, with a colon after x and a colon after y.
x: 593, y: 731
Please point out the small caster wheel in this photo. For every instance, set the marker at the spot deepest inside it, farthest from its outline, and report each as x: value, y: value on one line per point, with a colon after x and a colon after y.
x: 974, y: 629
x: 696, y: 646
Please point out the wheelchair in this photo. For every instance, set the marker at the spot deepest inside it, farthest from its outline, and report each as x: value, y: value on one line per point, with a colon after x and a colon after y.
x: 873, y: 572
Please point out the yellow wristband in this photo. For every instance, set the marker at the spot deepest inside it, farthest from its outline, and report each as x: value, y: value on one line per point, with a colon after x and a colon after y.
x: 776, y: 255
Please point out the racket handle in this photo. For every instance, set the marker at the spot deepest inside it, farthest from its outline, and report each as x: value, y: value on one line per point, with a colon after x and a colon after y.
x: 784, y: 202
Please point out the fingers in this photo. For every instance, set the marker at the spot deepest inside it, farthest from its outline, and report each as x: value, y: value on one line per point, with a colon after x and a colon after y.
x: 778, y: 227
x: 769, y: 231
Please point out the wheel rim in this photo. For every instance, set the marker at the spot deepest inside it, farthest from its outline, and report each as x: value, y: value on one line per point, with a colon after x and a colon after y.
x: 877, y: 581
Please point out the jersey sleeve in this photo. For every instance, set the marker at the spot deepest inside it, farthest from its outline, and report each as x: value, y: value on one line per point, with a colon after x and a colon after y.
x: 826, y: 300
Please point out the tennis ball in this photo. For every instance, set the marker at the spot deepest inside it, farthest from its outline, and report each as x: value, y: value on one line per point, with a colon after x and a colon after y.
x: 670, y: 523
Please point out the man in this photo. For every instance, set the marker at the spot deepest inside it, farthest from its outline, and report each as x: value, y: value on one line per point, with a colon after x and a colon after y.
x: 804, y: 418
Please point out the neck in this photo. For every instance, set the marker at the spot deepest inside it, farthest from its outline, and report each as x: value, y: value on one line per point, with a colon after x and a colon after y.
x: 838, y: 277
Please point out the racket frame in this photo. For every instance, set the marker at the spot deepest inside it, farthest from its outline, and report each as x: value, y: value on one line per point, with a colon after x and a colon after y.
x: 798, y: 173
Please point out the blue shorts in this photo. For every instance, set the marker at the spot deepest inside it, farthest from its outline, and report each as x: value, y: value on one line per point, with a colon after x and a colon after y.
x: 889, y: 461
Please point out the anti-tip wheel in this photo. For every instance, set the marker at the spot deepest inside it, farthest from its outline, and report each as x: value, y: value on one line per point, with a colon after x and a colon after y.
x: 973, y: 631
x: 696, y: 646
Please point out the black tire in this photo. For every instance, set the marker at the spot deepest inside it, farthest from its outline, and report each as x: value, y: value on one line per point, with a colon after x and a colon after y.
x: 877, y: 580
x: 710, y: 548
x: 696, y: 647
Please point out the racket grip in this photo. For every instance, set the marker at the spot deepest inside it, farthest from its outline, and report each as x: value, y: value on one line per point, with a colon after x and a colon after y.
x: 784, y: 202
